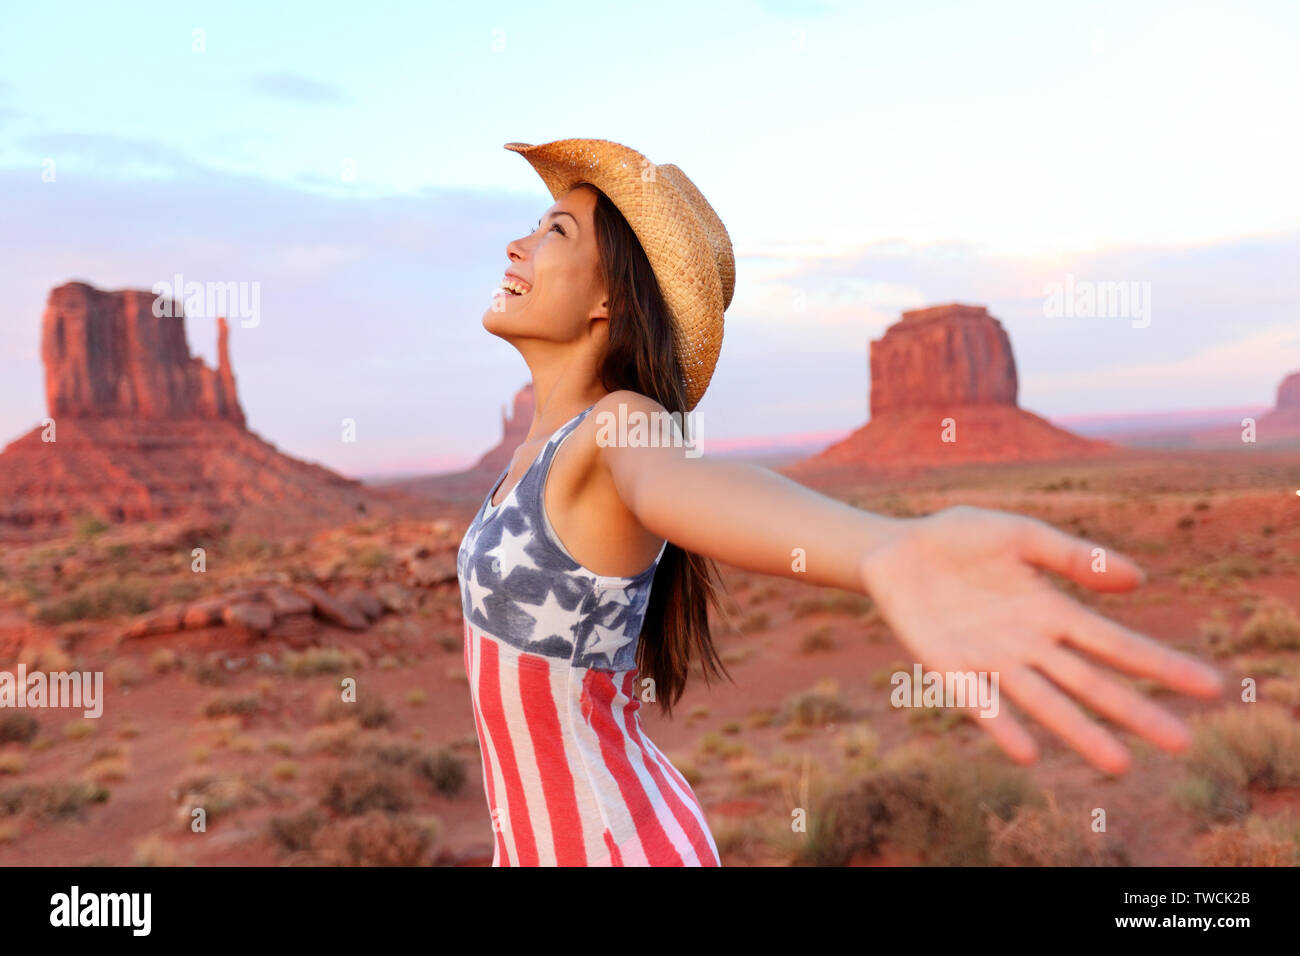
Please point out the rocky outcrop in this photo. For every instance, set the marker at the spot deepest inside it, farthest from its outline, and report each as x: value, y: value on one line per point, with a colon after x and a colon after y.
x: 142, y: 430
x: 1279, y: 426
x: 471, y: 484
x: 107, y: 355
x: 1288, y: 393
x: 942, y: 356
x: 943, y: 390
x: 514, y: 430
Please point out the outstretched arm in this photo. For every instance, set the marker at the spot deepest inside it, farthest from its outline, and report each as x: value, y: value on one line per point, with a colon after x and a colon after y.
x: 963, y: 588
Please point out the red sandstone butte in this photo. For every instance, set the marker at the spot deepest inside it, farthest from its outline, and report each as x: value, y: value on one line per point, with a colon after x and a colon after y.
x: 107, y: 355
x: 143, y: 430
x: 947, y: 362
x: 940, y: 357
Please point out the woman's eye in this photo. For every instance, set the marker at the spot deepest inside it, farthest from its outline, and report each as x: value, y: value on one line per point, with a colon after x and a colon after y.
x: 556, y: 226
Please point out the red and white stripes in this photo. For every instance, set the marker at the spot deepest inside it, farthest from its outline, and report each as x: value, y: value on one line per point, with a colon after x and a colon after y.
x: 570, y: 778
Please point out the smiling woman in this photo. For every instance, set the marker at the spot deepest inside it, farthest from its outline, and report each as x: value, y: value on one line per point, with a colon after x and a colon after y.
x: 588, y: 573
x: 557, y: 572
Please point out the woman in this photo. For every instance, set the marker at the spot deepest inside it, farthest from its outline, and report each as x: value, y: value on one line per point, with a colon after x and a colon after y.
x: 615, y: 301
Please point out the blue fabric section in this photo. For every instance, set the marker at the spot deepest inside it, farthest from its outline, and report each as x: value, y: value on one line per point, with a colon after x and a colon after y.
x: 520, y: 585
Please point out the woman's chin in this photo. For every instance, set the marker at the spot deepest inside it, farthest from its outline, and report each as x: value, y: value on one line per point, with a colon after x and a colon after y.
x: 496, y: 319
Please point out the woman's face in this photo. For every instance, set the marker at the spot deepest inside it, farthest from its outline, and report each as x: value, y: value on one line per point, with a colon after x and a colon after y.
x: 558, y: 265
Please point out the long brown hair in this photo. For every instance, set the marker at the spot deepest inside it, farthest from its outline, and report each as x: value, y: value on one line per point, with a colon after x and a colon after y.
x: 640, y: 357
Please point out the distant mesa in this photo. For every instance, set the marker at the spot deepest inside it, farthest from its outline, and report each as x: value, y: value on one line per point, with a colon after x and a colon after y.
x: 471, y: 484
x: 1281, y: 424
x: 947, y: 362
x: 1288, y: 393
x: 144, y: 430
x: 514, y: 431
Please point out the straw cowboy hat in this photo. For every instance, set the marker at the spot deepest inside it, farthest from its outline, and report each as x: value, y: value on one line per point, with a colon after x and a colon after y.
x: 685, y: 241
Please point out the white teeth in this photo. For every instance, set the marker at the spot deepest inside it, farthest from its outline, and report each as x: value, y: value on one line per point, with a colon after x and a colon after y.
x: 512, y: 286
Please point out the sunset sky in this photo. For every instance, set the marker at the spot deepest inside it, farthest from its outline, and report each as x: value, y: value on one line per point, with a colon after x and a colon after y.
x: 866, y: 159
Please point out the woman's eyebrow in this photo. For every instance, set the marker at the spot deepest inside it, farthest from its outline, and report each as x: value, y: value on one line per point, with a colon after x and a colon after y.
x: 561, y: 212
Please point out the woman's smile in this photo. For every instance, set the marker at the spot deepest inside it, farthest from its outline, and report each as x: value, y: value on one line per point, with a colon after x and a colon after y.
x: 513, y: 285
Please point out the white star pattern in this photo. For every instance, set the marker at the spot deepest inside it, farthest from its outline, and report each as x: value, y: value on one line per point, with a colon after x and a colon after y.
x: 607, y: 640
x: 546, y: 613
x: 477, y: 592
x: 559, y: 606
x: 511, y: 551
x: 614, y: 596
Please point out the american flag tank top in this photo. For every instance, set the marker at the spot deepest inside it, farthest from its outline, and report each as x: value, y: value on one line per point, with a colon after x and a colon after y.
x: 550, y: 652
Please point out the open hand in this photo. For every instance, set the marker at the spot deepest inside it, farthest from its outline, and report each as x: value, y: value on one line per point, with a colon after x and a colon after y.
x: 962, y: 589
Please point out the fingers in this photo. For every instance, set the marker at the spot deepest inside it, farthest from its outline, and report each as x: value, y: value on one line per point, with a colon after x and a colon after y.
x: 1111, y: 699
x: 1129, y: 651
x: 1083, y: 562
x: 1009, y: 734
x: 1060, y: 715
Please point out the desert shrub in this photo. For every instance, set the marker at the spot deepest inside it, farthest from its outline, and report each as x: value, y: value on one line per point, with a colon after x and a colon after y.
x: 320, y: 660
x: 96, y: 601
x: 373, y: 558
x: 927, y: 801
x: 78, y: 729
x: 207, y: 671
x: 444, y: 770
x: 107, y: 770
x: 232, y: 704
x: 1252, y: 745
x: 153, y: 850
x: 714, y: 744
x: 216, y: 795
x: 338, y: 738
x: 17, y: 727
x: 1253, y: 842
x: 293, y: 832
x: 88, y: 526
x: 840, y: 602
x: 375, y: 839
x: 739, y: 839
x: 1217, y: 633
x: 816, y: 707
x: 369, y: 710
x: 124, y: 673
x: 358, y: 786
x: 387, y: 749
x: 52, y: 801
x: 12, y: 763
x: 162, y: 660
x: 1052, y: 836
x: 860, y: 743
x: 818, y: 640
x: 1273, y: 626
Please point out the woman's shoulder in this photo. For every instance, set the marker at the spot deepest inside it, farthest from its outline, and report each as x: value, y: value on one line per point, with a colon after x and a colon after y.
x: 629, y: 400
x: 626, y: 418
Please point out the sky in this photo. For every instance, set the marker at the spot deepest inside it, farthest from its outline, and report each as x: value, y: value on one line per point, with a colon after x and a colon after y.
x: 866, y: 158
